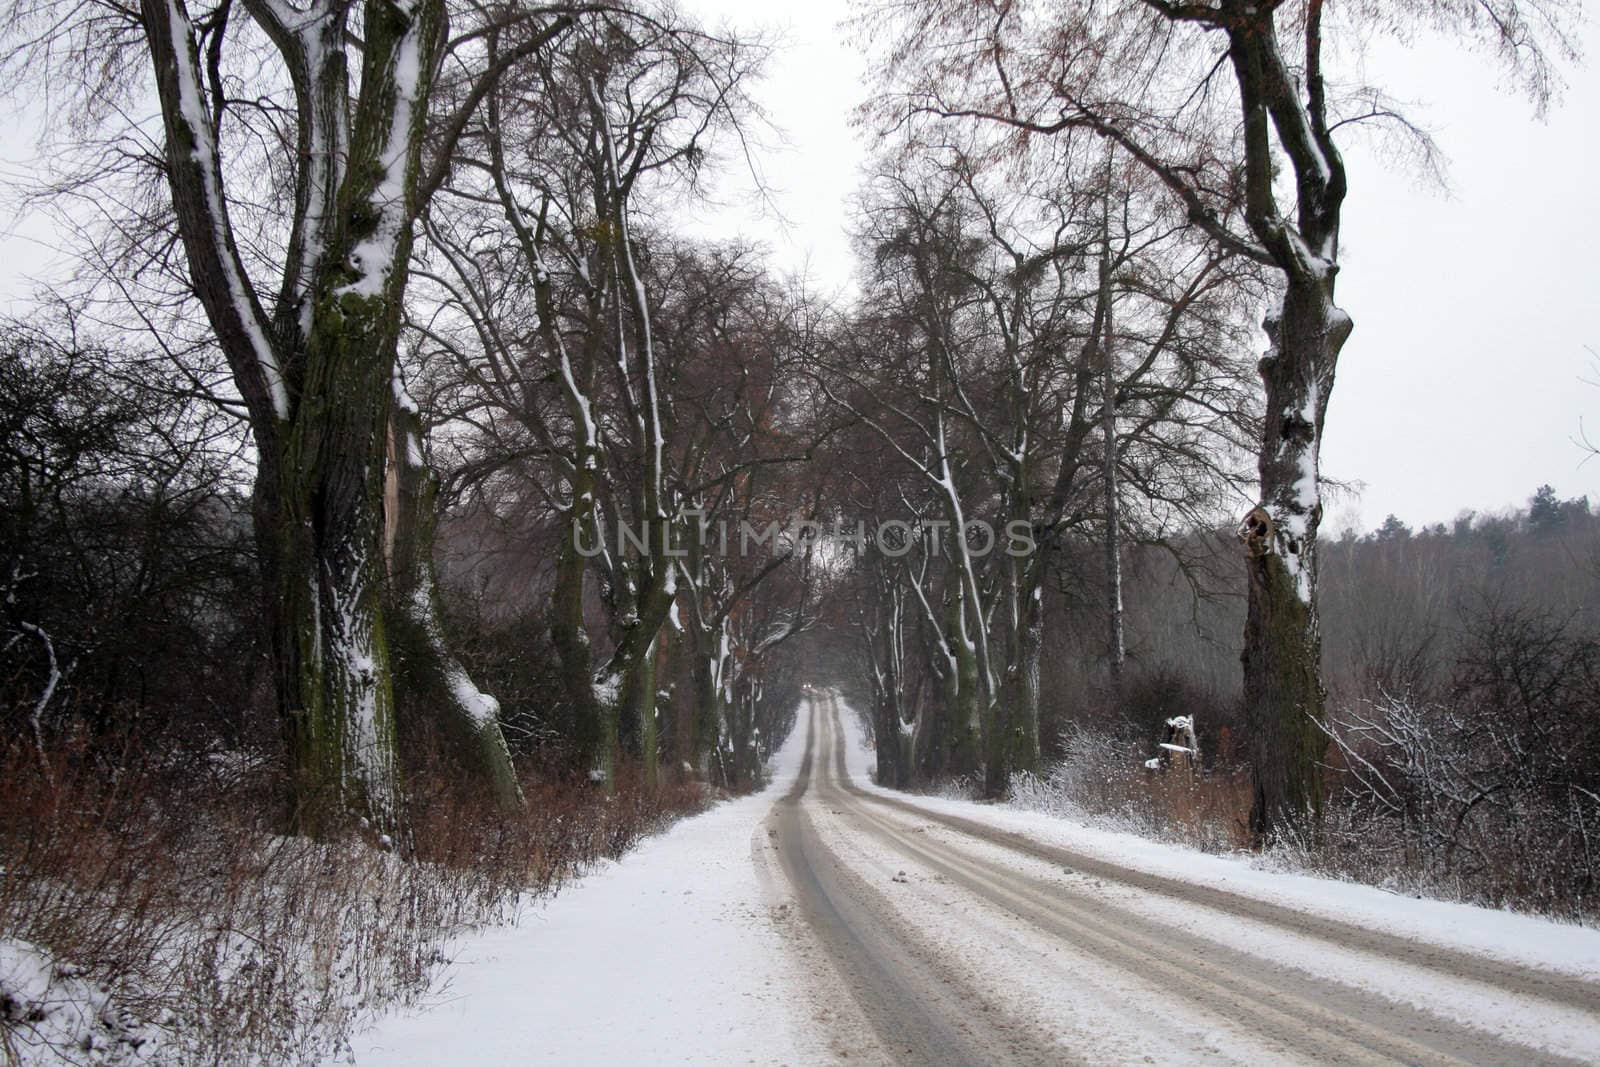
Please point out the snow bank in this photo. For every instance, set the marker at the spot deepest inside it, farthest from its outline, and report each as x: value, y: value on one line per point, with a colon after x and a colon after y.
x: 666, y: 956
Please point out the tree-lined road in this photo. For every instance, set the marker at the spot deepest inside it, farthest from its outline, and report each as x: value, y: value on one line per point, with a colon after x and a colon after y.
x: 931, y: 938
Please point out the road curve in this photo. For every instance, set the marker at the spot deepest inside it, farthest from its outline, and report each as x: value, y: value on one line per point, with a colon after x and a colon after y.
x: 934, y: 939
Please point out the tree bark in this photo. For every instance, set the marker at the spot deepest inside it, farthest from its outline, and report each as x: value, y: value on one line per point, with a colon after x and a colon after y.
x: 569, y: 634
x: 1024, y: 646
x: 964, y: 726
x: 317, y: 377
x: 630, y: 672
x: 700, y: 722
x: 641, y: 706
x: 430, y: 680
x: 1283, y: 649
x: 1282, y: 641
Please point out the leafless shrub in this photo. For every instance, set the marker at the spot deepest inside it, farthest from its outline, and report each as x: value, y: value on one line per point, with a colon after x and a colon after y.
x: 172, y: 921
x: 1492, y: 793
x: 1102, y: 776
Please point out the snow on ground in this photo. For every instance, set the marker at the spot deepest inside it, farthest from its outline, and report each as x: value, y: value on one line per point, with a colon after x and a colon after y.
x: 672, y: 955
x: 667, y: 956
x: 1488, y: 932
x: 57, y: 1017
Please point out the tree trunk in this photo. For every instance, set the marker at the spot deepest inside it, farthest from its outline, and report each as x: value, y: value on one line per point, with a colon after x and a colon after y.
x: 631, y: 668
x: 892, y: 756
x: 701, y: 721
x: 994, y: 716
x: 1026, y: 645
x: 963, y: 726
x: 892, y: 739
x: 1116, y: 648
x: 317, y: 508
x: 1283, y: 648
x: 569, y: 634
x: 640, y: 706
x: 430, y: 680
x: 1282, y: 643
x: 317, y: 377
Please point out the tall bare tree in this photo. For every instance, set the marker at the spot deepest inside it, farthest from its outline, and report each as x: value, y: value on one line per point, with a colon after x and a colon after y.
x: 1216, y: 101
x: 302, y: 283
x: 986, y: 365
x: 551, y: 290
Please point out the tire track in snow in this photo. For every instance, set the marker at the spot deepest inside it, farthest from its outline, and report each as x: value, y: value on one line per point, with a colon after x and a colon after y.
x: 1566, y: 990
x: 1321, y: 1020
x: 1325, y: 1022
x: 919, y: 1007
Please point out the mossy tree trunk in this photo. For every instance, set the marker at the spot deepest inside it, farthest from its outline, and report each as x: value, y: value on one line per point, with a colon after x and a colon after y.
x: 630, y: 672
x: 964, y: 728
x: 1283, y: 650
x: 883, y: 624
x: 316, y: 375
x: 1024, y: 644
x: 639, y: 704
x: 699, y: 718
x: 430, y: 680
x: 1282, y: 640
x: 705, y: 625
x: 568, y: 631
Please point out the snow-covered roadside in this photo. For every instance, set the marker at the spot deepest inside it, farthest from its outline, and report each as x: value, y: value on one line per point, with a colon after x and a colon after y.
x: 1500, y: 935
x: 666, y: 956
x: 57, y: 1017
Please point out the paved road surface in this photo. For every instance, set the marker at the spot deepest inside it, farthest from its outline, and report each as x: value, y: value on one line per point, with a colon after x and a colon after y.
x: 933, y: 939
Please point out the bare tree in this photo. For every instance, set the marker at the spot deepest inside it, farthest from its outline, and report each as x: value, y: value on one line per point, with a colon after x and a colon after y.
x: 1148, y: 75
x: 547, y: 292
x: 991, y: 367
x: 302, y: 288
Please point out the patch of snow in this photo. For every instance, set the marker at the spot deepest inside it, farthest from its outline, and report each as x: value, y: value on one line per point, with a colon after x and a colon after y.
x: 373, y: 257
x: 53, y: 1016
x: 480, y: 706
x: 667, y: 956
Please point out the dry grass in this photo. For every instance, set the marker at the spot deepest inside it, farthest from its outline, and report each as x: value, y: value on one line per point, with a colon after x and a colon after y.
x: 1102, y: 778
x: 201, y: 938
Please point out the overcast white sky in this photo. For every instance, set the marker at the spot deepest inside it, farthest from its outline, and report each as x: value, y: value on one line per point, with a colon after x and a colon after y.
x: 1463, y: 385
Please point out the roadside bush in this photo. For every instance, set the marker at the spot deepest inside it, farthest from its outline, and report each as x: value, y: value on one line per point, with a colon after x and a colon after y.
x: 152, y: 917
x: 1102, y: 777
x: 1491, y: 793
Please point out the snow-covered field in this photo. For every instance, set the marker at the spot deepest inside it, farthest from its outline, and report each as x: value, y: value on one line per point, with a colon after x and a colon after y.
x: 60, y: 1017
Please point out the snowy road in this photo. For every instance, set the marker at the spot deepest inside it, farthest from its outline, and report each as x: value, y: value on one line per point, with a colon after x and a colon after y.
x: 829, y: 921
x: 956, y: 942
